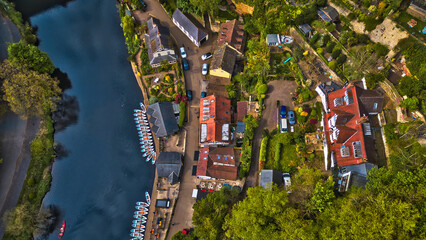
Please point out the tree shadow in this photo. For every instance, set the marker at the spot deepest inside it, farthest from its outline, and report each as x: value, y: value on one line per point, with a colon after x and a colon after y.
x: 66, y: 113
x: 64, y: 81
x: 61, y: 151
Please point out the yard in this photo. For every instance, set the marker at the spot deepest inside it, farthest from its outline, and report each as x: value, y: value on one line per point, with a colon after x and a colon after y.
x: 416, y: 31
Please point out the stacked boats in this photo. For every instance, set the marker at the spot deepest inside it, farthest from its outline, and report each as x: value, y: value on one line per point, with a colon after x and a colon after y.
x: 142, y: 209
x: 145, y: 135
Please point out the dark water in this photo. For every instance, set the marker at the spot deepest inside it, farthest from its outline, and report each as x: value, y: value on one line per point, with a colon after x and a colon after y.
x: 97, y: 184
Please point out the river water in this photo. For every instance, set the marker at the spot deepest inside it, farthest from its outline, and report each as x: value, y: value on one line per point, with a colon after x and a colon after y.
x: 97, y: 184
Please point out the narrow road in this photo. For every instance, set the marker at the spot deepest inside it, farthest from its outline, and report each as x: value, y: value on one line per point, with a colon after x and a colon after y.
x: 182, y: 217
x: 16, y: 135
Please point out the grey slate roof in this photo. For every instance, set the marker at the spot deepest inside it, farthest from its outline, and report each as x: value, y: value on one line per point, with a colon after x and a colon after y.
x: 272, y: 39
x: 163, y: 118
x: 361, y: 169
x: 305, y: 28
x: 368, y: 98
x: 157, y: 39
x: 331, y: 13
x: 196, y: 33
x: 168, y: 165
x: 224, y: 58
x: 241, y: 127
x: 269, y: 176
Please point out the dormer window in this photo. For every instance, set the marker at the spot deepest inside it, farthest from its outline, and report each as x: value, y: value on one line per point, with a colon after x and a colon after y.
x: 338, y: 102
x: 375, y: 106
x: 357, y: 149
x: 344, y: 151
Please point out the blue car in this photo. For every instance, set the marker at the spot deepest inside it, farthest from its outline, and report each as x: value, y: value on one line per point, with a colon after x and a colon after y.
x: 203, y: 94
x: 291, y: 117
x: 283, y: 112
x: 189, y: 94
x: 185, y: 64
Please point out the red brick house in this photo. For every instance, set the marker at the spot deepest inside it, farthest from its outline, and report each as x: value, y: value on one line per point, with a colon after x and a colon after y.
x: 215, y: 120
x: 347, y: 127
x: 217, y: 163
x: 232, y: 33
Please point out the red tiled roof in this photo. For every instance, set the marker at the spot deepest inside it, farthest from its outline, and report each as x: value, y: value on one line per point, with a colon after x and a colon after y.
x: 215, y: 111
x: 232, y: 33
x: 242, y: 109
x: 348, y: 123
x: 217, y: 163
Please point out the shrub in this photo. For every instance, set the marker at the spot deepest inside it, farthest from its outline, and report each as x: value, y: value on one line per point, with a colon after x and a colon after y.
x: 351, y: 16
x: 277, y: 155
x: 263, y: 149
x: 314, y: 38
x: 313, y: 121
x: 341, y: 59
x: 336, y: 53
x: 372, y: 79
x: 380, y: 49
x: 320, y: 51
x: 182, y: 113
x: 262, y: 89
x: 331, y: 27
x: 332, y: 65
x: 152, y: 100
x: 330, y: 46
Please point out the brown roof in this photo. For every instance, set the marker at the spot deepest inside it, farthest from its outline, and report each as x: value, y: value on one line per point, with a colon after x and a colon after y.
x: 219, y: 80
x: 224, y: 58
x: 368, y: 98
x: 232, y: 33
x: 218, y: 90
x: 242, y: 108
x: 217, y: 163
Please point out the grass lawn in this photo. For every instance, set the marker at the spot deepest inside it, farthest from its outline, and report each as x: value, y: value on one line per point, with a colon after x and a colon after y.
x: 403, y: 20
x: 288, y: 160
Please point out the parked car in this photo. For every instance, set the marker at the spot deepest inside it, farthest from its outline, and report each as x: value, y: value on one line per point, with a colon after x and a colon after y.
x: 185, y: 64
x: 156, y: 80
x: 287, y: 181
x: 182, y: 52
x: 283, y: 111
x: 203, y: 94
x: 206, y: 56
x: 189, y: 94
x: 204, y: 69
x: 283, y: 125
x: 291, y: 117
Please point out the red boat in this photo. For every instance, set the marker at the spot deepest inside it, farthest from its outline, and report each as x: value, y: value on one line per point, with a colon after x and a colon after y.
x: 61, y: 230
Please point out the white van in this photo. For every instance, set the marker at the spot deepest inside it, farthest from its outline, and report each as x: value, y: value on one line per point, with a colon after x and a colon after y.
x: 283, y: 125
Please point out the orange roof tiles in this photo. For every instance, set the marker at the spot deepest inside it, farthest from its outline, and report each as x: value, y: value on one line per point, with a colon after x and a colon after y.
x: 217, y: 163
x: 215, y: 117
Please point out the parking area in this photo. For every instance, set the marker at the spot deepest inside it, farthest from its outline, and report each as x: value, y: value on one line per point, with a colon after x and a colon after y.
x: 282, y: 91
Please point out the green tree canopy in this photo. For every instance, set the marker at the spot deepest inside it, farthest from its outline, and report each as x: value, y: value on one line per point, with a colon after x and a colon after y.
x: 209, y: 213
x: 21, y: 54
x: 258, y: 58
x: 27, y: 91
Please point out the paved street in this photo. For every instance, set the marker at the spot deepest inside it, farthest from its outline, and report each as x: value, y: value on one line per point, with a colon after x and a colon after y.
x: 182, y: 217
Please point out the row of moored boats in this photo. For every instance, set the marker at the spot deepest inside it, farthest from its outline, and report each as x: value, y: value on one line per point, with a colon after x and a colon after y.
x: 145, y: 135
x: 139, y: 224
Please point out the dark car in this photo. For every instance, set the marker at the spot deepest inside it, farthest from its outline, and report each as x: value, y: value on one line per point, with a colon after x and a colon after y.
x: 291, y: 117
x: 203, y: 94
x: 189, y: 94
x: 283, y: 112
x: 185, y: 64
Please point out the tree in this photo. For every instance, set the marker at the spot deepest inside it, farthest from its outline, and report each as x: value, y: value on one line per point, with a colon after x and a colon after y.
x: 341, y: 59
x: 264, y: 214
x: 330, y: 46
x: 410, y: 86
x: 232, y: 91
x: 410, y: 104
x: 363, y: 62
x: 332, y: 65
x: 29, y: 56
x: 207, y: 6
x: 209, y: 213
x: 27, y: 91
x: 262, y: 89
x: 20, y: 222
x: 336, y: 53
x: 322, y: 196
x: 372, y: 79
x: 258, y: 58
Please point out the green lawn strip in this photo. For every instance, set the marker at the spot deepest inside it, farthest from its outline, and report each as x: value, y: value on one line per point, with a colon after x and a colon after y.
x: 288, y: 159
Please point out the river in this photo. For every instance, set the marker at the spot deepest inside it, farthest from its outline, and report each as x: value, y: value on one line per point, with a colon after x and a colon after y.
x: 97, y: 184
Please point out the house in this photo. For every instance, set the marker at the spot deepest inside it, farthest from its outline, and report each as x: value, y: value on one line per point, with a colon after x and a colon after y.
x: 353, y: 175
x: 217, y: 163
x: 273, y: 39
x: 168, y: 165
x: 347, y: 127
x: 223, y: 62
x: 217, y: 86
x: 194, y: 33
x: 245, y: 108
x: 267, y: 177
x: 417, y: 9
x: 157, y: 41
x: 162, y: 118
x: 328, y: 14
x: 232, y: 33
x: 276, y: 39
x: 305, y: 29
x: 215, y: 120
